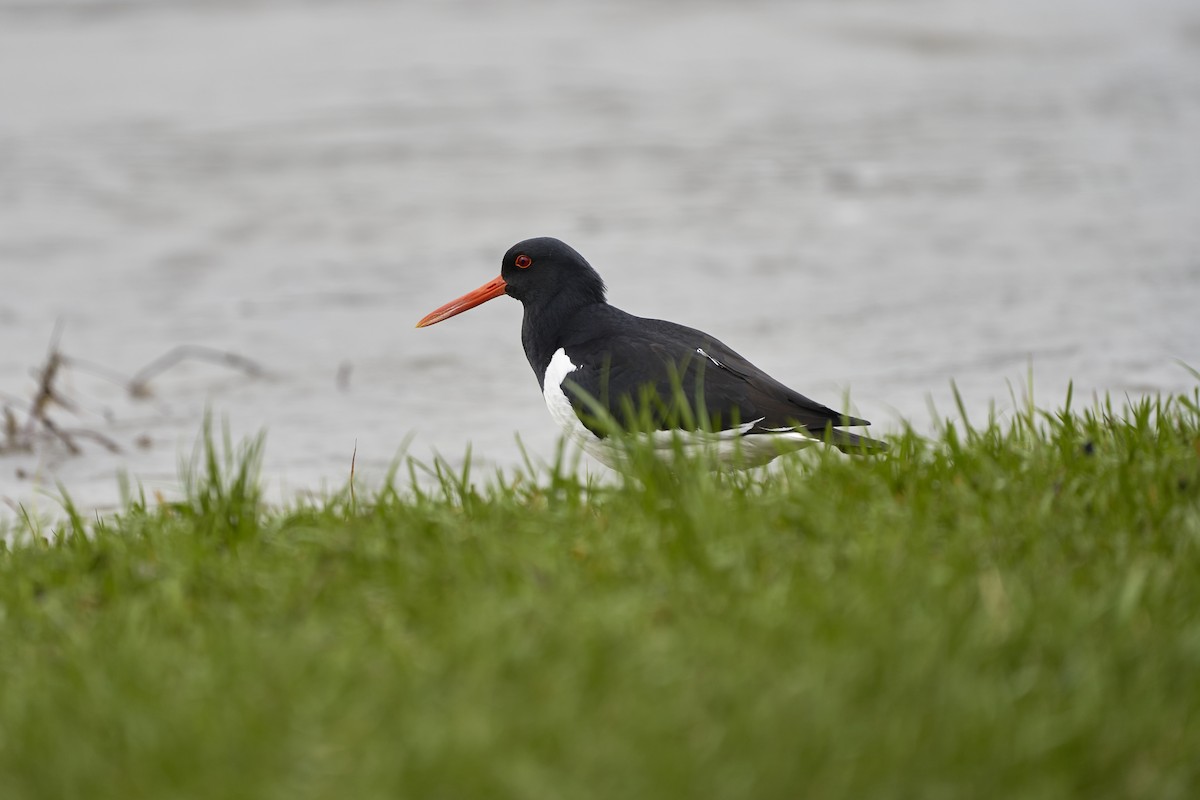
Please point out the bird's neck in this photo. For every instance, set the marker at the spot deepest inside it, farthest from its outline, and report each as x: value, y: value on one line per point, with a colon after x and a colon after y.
x: 544, y: 325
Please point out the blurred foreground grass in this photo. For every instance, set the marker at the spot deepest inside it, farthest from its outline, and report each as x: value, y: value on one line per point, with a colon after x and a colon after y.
x: 1011, y: 610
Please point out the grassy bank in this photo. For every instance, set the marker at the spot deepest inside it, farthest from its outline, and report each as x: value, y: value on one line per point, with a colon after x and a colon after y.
x: 1010, y: 610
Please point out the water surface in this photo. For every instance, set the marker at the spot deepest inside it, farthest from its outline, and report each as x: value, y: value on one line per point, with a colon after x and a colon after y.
x: 868, y: 199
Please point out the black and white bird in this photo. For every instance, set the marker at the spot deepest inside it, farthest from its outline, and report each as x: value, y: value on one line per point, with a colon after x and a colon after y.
x: 595, y: 362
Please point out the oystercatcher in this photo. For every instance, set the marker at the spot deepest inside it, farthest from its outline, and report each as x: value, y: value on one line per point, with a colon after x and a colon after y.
x: 602, y: 370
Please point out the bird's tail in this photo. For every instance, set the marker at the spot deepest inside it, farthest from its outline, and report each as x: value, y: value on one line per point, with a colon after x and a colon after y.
x: 853, y: 443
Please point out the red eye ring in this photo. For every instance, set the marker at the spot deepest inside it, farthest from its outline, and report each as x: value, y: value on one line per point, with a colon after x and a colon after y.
x: 523, y: 261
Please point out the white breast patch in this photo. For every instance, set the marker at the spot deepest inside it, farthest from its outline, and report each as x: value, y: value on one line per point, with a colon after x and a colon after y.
x: 556, y: 399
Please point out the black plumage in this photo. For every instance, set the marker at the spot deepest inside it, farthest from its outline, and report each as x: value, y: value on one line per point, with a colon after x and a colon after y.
x: 676, y: 376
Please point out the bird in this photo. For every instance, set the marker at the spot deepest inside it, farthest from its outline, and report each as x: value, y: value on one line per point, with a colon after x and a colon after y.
x: 604, y: 372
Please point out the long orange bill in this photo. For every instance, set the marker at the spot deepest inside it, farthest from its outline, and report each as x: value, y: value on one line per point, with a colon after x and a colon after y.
x: 490, y: 290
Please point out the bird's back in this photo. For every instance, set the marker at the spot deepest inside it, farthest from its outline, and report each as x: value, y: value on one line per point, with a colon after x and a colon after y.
x: 619, y: 356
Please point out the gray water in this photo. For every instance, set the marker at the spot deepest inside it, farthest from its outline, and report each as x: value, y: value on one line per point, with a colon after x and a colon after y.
x: 868, y: 199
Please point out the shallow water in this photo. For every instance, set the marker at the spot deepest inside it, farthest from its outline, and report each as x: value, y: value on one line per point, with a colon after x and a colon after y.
x: 869, y: 198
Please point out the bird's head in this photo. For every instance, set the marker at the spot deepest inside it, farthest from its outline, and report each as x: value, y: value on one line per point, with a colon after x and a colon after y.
x: 536, y: 272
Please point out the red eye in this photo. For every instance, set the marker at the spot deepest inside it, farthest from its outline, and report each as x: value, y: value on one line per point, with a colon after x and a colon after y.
x: 523, y: 261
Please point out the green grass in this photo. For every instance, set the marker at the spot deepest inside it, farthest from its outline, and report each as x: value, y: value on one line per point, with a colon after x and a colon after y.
x: 1010, y: 610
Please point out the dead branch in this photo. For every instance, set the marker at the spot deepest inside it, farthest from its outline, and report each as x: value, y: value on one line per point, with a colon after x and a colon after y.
x: 97, y: 437
x: 62, y: 435
x: 17, y: 435
x: 139, y: 384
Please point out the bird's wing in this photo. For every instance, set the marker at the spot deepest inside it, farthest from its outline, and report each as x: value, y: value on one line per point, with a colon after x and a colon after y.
x: 780, y: 404
x: 721, y: 389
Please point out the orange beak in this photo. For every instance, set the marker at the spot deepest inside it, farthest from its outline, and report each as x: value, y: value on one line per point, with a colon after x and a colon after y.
x: 490, y: 290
